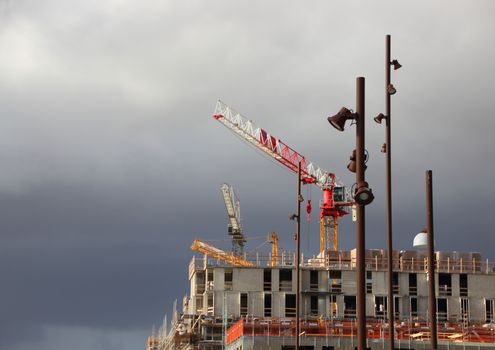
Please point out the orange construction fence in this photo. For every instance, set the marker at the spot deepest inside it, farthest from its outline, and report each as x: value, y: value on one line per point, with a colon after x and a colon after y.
x: 377, y: 329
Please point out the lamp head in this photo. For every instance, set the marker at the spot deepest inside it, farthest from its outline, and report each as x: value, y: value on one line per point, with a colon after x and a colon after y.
x: 352, y: 166
x: 363, y: 195
x: 396, y: 64
x: 379, y: 118
x: 339, y: 119
x: 391, y: 89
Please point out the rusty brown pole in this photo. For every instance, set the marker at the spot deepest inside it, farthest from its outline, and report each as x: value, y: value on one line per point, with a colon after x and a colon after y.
x: 362, y: 197
x: 298, y: 258
x: 360, y: 219
x: 390, y: 303
x: 432, y: 306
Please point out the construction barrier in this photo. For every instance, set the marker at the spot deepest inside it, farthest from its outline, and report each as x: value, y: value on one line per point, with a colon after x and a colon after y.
x: 377, y: 329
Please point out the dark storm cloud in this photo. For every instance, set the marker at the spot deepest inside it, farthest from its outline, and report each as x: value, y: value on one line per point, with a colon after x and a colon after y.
x: 75, y: 258
x: 111, y: 163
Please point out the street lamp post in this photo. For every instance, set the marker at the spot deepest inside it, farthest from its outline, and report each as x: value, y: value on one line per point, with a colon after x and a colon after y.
x: 389, y: 198
x: 297, y: 217
x: 389, y: 91
x: 360, y: 219
x: 298, y: 265
x: 432, y: 307
x: 362, y: 197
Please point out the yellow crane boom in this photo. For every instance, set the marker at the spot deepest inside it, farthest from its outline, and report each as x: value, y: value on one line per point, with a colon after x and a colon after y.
x: 219, y: 254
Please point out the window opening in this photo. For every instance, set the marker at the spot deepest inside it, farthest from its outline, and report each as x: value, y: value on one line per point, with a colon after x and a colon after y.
x: 244, y: 304
x: 314, y: 305
x: 395, y: 282
x: 489, y: 310
x: 349, y: 306
x: 414, y: 307
x: 463, y: 285
x: 228, y: 279
x: 268, y: 305
x: 267, y: 279
x: 380, y: 306
x: 442, y: 309
x: 413, y: 284
x: 335, y: 281
x: 290, y: 305
x: 369, y: 282
x: 313, y: 279
x: 444, y: 284
x: 285, y: 280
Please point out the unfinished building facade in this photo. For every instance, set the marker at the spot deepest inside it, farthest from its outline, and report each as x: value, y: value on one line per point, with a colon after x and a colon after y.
x: 261, y: 301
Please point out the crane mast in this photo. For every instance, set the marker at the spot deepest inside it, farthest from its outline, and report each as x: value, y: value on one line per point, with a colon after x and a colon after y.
x: 273, y: 239
x: 234, y: 213
x: 334, y: 192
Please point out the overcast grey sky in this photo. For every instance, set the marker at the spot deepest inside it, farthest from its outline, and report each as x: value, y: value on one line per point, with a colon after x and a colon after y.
x: 111, y: 162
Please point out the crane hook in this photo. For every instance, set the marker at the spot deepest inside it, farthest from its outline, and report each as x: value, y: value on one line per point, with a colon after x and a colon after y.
x: 308, y: 209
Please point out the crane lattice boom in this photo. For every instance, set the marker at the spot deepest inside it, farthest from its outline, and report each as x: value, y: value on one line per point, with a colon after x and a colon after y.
x: 234, y: 213
x: 271, y: 145
x: 219, y: 254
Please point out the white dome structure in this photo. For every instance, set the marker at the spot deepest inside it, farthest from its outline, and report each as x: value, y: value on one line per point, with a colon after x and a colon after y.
x: 421, y: 241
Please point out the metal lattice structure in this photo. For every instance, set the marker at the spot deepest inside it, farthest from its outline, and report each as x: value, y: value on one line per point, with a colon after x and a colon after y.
x: 219, y: 254
x: 234, y: 213
x: 273, y: 146
x: 275, y: 255
x: 335, y: 194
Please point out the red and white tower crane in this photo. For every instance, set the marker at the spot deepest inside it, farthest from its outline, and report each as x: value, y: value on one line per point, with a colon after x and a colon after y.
x: 335, y: 195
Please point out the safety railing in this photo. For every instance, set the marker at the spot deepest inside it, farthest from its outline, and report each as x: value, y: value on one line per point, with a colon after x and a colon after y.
x: 285, y: 286
x: 342, y: 261
x: 267, y: 286
x: 413, y: 290
x: 335, y: 288
x: 444, y: 290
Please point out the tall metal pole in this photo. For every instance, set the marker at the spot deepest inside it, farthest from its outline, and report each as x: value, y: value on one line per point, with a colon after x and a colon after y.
x: 298, y: 259
x: 360, y: 219
x: 432, y: 306
x: 390, y: 303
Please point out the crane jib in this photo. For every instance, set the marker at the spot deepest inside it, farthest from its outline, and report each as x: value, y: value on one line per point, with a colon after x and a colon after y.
x: 281, y: 152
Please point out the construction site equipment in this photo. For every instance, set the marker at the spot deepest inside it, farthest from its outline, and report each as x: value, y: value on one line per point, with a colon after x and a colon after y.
x: 219, y: 254
x: 234, y: 213
x: 335, y: 193
x: 275, y: 249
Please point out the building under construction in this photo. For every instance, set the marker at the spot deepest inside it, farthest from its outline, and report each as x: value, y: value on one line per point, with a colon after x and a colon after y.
x: 253, y: 307
x: 243, y: 301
